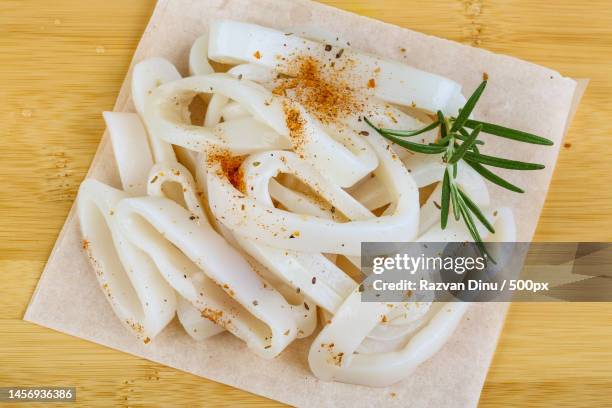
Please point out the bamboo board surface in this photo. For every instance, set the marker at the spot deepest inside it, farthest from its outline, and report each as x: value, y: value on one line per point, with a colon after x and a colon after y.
x: 62, y: 64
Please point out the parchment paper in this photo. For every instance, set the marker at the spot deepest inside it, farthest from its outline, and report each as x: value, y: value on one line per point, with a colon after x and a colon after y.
x: 520, y: 95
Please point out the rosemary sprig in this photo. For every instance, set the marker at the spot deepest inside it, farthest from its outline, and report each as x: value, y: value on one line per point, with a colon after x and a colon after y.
x: 458, y: 140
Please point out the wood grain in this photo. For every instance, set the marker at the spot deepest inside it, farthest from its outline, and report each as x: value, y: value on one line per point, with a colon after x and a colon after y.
x: 62, y: 63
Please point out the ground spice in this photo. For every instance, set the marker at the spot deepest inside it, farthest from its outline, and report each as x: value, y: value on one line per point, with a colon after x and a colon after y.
x: 230, y: 166
x: 214, y: 316
x: 295, y: 123
x: 320, y: 88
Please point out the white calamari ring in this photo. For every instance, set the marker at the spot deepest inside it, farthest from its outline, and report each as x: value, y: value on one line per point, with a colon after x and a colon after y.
x: 332, y: 354
x: 238, y: 42
x: 133, y: 286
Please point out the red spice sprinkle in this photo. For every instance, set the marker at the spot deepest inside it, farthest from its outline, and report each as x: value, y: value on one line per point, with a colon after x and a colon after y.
x: 230, y: 166
x: 372, y: 83
x: 85, y: 244
x: 320, y: 89
x: 214, y: 316
x: 295, y: 124
x: 567, y: 145
x: 257, y: 54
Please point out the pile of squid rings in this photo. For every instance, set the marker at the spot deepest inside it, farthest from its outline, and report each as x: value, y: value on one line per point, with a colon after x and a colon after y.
x: 262, y: 262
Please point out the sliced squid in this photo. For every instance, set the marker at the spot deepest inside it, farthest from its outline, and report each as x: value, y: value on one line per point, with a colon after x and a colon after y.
x: 147, y: 76
x: 131, y: 149
x: 139, y: 296
x: 253, y: 311
x: 198, y: 57
x: 332, y: 354
x: 134, y: 160
x: 236, y: 42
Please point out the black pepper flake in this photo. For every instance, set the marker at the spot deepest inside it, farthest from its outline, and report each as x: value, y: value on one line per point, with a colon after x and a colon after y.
x: 361, y: 288
x: 298, y: 290
x: 192, y: 217
x: 255, y: 303
x: 364, y: 133
x: 267, y: 347
x: 306, y: 306
x: 239, y: 76
x: 339, y: 54
x: 437, y: 205
x: 333, y: 210
x: 328, y: 47
x: 314, y: 280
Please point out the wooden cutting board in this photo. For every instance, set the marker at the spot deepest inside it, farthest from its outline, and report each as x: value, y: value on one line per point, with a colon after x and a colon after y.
x: 62, y: 64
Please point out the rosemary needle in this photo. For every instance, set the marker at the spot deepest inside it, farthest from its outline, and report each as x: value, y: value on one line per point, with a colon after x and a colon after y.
x: 457, y: 143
